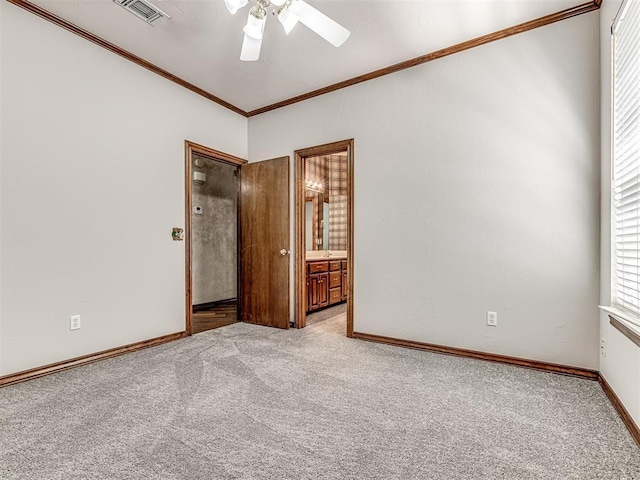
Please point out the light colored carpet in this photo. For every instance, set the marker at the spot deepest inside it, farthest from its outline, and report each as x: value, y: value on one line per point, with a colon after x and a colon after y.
x: 248, y: 402
x: 326, y: 314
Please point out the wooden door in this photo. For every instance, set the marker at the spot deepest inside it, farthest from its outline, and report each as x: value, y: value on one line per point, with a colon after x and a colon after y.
x: 264, y: 242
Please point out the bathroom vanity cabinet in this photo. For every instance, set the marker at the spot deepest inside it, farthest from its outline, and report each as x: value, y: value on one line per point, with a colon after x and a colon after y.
x: 326, y: 283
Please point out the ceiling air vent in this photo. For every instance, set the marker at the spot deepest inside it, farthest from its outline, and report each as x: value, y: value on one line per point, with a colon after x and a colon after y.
x: 143, y: 10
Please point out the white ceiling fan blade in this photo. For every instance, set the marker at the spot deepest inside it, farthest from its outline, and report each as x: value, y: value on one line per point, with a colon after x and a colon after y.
x: 234, y: 5
x: 250, y: 49
x: 317, y: 21
x: 288, y: 20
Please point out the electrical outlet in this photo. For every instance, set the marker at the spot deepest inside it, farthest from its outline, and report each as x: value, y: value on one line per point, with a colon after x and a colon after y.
x: 603, y: 348
x: 74, y: 322
x: 492, y: 319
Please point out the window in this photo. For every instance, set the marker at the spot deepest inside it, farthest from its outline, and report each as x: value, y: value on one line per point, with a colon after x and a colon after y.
x: 626, y: 158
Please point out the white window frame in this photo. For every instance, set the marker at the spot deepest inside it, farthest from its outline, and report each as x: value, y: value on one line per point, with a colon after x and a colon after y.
x: 625, y: 167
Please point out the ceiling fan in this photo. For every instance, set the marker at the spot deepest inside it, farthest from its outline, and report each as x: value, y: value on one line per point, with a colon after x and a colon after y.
x: 289, y: 13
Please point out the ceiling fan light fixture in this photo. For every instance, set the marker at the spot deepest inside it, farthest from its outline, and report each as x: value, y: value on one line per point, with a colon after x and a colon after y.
x: 289, y: 13
x: 234, y: 5
x: 255, y: 23
x: 250, y: 49
x: 288, y: 20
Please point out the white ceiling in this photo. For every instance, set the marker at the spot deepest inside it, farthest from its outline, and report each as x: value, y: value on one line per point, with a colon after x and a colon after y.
x: 201, y: 42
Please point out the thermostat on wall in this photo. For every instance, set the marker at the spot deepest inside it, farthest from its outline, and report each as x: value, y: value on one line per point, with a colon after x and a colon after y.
x: 197, y: 210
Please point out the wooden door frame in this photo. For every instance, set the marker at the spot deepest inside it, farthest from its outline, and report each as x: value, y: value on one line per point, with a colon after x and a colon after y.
x: 300, y: 247
x: 189, y: 149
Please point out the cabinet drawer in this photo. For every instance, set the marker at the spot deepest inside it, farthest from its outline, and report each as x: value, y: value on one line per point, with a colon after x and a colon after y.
x: 334, y: 265
x: 335, y: 279
x: 317, y: 267
x: 335, y: 295
x: 344, y: 264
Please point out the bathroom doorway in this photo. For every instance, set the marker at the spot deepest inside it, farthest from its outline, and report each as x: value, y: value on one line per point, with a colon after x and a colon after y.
x: 324, y: 233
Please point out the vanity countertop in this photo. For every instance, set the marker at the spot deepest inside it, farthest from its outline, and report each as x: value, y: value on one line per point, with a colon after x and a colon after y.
x: 332, y: 257
x: 317, y: 255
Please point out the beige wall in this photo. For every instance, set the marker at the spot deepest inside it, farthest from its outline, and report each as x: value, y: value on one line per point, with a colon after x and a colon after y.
x: 476, y: 188
x: 92, y: 184
x: 477, y: 180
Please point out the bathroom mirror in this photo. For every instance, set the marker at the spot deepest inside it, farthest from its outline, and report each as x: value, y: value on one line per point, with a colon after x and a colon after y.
x: 326, y: 202
x: 317, y: 221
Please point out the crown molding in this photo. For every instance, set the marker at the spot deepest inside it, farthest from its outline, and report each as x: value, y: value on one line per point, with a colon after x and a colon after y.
x: 428, y: 57
x: 460, y: 47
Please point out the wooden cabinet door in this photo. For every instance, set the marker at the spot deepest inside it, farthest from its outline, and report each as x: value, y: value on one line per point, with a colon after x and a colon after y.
x: 317, y: 291
x: 344, y: 284
x: 313, y: 285
x: 323, y: 290
x: 264, y: 242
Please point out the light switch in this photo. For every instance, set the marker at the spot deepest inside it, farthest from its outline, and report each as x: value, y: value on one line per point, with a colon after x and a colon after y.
x: 177, y: 234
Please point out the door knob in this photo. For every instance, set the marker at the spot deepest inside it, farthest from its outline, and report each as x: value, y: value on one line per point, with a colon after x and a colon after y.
x: 284, y: 252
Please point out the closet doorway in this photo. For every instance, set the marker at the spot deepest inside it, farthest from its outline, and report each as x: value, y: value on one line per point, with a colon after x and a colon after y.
x: 236, y: 240
x: 324, y: 198
x: 213, y: 238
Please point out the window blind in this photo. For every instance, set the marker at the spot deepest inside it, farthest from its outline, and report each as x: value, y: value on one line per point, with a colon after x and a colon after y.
x: 626, y: 157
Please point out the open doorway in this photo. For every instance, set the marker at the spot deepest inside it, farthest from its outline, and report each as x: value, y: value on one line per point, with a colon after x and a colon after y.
x: 324, y: 233
x: 253, y: 236
x: 212, y: 221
